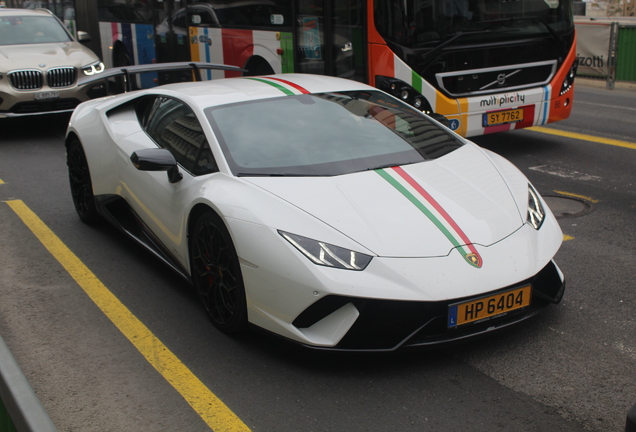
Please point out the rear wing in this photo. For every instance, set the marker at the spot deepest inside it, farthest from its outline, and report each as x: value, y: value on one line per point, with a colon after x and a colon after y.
x: 127, y: 71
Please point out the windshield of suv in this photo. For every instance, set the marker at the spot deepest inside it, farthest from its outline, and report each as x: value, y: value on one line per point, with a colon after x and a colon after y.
x: 325, y: 134
x: 21, y: 30
x: 426, y: 24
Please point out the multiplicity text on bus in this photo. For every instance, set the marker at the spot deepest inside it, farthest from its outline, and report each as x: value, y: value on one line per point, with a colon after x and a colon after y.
x: 486, y: 65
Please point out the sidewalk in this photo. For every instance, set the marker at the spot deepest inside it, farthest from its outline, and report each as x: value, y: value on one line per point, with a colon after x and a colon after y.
x: 602, y: 83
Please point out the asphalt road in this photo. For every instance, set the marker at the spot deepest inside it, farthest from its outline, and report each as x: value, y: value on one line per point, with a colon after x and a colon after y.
x: 572, y: 368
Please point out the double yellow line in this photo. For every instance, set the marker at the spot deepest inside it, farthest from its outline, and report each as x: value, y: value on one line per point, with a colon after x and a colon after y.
x: 211, y: 409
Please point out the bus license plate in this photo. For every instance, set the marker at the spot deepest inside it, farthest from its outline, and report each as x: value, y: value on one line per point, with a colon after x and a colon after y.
x: 46, y: 95
x: 488, y: 307
x: 501, y: 117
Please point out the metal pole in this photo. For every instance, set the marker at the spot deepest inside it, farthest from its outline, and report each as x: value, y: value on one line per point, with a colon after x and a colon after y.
x: 611, y: 77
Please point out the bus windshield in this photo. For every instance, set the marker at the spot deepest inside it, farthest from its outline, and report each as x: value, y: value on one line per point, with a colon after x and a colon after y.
x: 428, y: 23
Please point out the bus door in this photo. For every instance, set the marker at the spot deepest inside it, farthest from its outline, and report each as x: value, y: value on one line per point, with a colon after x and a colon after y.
x: 171, y: 31
x: 329, y: 38
x: 171, y: 36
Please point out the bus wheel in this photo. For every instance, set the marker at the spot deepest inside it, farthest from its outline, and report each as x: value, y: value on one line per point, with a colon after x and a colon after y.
x: 258, y: 66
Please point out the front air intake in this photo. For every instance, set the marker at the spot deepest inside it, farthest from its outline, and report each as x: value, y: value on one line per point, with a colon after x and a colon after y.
x: 26, y: 79
x: 61, y: 77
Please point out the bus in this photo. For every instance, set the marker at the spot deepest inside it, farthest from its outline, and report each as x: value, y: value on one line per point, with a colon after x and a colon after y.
x: 485, y: 65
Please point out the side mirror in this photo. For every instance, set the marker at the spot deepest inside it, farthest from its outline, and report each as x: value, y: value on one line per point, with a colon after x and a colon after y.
x: 83, y: 37
x: 440, y: 118
x: 157, y: 160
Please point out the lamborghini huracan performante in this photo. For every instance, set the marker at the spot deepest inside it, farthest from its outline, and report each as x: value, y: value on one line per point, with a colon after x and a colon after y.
x: 319, y: 209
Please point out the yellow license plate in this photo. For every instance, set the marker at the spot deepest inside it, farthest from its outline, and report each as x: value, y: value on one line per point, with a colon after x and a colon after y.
x: 488, y: 307
x: 502, y: 117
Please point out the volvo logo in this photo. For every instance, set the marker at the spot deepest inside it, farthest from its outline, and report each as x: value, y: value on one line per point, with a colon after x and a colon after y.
x: 501, y: 79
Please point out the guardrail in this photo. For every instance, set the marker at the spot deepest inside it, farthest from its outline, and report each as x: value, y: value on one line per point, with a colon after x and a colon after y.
x: 23, y: 406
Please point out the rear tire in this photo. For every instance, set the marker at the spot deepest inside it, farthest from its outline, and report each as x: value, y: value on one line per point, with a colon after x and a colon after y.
x: 216, y: 274
x: 81, y: 185
x: 258, y: 68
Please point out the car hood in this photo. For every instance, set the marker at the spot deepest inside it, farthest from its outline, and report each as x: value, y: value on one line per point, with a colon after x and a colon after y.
x: 419, y: 210
x: 13, y: 57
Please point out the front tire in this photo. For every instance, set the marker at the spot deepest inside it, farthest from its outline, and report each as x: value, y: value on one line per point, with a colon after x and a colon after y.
x: 81, y: 185
x: 216, y: 274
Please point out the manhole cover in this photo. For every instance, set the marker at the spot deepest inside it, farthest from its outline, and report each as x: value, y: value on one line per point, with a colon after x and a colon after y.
x: 567, y: 207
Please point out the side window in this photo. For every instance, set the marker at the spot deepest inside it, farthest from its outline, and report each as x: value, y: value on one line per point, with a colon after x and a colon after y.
x: 173, y: 126
x: 179, y: 20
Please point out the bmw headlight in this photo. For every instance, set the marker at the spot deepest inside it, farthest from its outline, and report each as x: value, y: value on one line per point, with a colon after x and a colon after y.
x: 325, y: 254
x: 93, y: 68
x: 536, y: 214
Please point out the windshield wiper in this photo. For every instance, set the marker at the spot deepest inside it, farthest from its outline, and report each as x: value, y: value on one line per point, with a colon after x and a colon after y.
x: 541, y: 21
x: 433, y: 52
x: 277, y: 175
x: 391, y: 165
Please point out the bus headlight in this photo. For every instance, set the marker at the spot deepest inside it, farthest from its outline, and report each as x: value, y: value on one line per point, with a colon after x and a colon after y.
x: 403, y: 91
x: 569, y: 78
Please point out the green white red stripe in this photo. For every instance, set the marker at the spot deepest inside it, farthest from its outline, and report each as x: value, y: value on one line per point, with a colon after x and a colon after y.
x: 287, y: 87
x: 414, y: 192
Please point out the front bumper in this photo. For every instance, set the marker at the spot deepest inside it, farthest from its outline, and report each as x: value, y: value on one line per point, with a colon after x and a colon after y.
x: 386, y: 325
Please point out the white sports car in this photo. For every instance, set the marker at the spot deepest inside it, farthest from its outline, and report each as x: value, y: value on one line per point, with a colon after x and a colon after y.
x: 319, y: 209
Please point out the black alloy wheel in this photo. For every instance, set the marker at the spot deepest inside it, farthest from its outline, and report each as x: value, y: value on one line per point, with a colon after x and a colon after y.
x: 216, y: 274
x: 81, y: 185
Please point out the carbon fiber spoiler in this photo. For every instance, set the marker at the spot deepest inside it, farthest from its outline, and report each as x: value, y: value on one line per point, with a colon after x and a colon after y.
x: 126, y: 71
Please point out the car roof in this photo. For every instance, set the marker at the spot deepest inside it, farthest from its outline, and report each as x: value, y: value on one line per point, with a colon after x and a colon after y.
x: 23, y: 12
x: 232, y: 90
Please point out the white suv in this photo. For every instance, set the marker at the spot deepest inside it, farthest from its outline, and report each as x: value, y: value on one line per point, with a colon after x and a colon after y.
x: 40, y: 64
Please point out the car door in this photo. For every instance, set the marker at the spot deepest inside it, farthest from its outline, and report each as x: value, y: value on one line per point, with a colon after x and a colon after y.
x: 167, y: 123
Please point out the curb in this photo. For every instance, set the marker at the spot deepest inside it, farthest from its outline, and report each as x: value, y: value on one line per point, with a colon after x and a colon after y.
x: 601, y: 83
x: 23, y: 406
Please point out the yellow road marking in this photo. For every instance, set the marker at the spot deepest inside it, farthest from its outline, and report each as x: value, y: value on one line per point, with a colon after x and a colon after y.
x: 211, y: 409
x: 583, y: 197
x: 1, y: 182
x: 584, y: 137
x: 567, y: 237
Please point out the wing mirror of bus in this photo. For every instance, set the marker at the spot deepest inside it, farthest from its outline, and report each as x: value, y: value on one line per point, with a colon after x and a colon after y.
x: 83, y: 37
x: 440, y: 119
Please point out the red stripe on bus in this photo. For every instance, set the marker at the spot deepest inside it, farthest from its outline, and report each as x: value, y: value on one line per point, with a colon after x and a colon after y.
x: 238, y: 47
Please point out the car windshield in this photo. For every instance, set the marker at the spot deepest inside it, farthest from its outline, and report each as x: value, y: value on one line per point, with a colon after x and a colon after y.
x: 325, y: 134
x: 21, y: 30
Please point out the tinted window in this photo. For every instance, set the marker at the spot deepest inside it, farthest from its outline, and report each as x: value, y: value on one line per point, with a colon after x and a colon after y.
x: 262, y: 13
x: 326, y: 134
x: 173, y: 126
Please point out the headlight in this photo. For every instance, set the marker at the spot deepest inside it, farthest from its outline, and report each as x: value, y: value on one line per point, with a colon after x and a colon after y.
x: 569, y: 79
x: 93, y: 68
x: 536, y: 214
x: 327, y: 255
